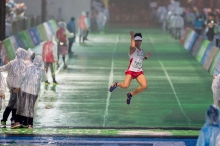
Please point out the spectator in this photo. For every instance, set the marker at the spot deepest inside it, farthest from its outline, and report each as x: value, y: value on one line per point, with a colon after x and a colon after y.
x: 72, y: 29
x: 101, y: 20
x: 29, y: 84
x: 210, y: 130
x: 210, y: 27
x: 62, y: 34
x: 88, y: 24
x: 82, y: 27
x: 14, y: 68
x: 198, y: 25
x: 49, y: 54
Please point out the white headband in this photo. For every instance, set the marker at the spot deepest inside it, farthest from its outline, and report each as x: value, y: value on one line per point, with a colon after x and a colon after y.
x: 138, y: 38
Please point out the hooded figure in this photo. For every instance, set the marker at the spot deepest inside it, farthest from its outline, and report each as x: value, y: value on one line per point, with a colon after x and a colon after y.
x: 49, y: 54
x: 29, y: 85
x: 210, y: 130
x: 14, y: 69
x: 82, y: 27
x: 216, y: 90
x: 62, y: 34
x: 30, y: 56
x: 2, y: 89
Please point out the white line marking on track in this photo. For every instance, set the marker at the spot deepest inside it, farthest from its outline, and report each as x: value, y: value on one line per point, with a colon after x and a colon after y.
x: 171, y: 84
x: 111, y: 76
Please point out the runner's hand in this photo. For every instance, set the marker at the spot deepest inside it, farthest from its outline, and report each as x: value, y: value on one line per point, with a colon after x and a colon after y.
x: 148, y: 54
x: 16, y: 90
x: 131, y: 33
x: 3, y: 96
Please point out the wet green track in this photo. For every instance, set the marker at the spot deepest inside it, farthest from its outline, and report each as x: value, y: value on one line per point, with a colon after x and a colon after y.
x: 178, y: 95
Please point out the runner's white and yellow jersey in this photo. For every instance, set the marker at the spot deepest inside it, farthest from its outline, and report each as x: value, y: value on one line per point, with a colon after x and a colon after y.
x: 136, y: 60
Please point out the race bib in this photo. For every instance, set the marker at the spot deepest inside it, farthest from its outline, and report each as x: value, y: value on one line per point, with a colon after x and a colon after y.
x: 137, y: 63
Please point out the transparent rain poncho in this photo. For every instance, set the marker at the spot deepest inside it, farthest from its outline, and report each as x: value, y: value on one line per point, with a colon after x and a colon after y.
x: 210, y: 131
x: 216, y: 89
x: 49, y: 50
x: 32, y: 77
x: 15, y: 68
x: 2, y: 89
x: 29, y: 54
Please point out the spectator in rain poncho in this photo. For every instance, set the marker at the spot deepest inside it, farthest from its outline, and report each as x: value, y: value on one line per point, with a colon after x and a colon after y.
x: 2, y: 90
x: 72, y: 29
x: 29, y: 84
x: 82, y: 27
x: 14, y: 69
x: 216, y: 90
x: 30, y: 56
x: 210, y: 131
x: 49, y: 54
x: 62, y: 34
x: 178, y: 26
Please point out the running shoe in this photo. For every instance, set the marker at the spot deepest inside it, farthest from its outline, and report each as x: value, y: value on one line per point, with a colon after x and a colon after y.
x: 16, y: 125
x: 3, y: 124
x: 55, y: 83
x: 113, y: 86
x: 128, y: 98
x: 47, y: 83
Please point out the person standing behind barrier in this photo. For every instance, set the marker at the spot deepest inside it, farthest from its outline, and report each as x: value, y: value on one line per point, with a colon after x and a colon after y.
x: 210, y: 27
x: 198, y: 25
x: 82, y: 27
x: 61, y: 34
x: 72, y: 29
x: 217, y: 28
x: 178, y: 26
x: 14, y: 68
x: 101, y: 20
x: 216, y: 90
x: 29, y: 86
x: 88, y: 24
x: 210, y: 130
x: 2, y: 89
x: 49, y: 54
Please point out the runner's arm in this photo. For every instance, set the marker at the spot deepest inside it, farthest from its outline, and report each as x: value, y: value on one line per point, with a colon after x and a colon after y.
x: 132, y: 47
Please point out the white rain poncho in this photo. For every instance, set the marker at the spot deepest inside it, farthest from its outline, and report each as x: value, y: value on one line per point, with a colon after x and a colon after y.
x: 210, y: 131
x: 29, y: 54
x: 32, y: 77
x: 15, y: 68
x: 2, y: 89
x: 216, y: 89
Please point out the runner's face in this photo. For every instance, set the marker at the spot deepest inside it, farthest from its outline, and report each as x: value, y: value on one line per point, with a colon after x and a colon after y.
x: 138, y: 43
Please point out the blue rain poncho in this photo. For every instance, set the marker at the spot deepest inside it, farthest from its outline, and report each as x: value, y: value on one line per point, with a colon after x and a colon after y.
x: 210, y: 131
x: 32, y: 77
x: 15, y: 68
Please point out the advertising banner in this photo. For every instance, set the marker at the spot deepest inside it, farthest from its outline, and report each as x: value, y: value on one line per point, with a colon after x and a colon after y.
x: 18, y: 40
x: 23, y: 40
x: 9, y: 49
x: 51, y: 28
x: 207, y: 51
x: 54, y: 25
x: 210, y: 58
x: 33, y: 37
x: 42, y: 32
x: 215, y: 68
x: 37, y: 35
x: 13, y: 43
x: 196, y: 45
x: 190, y: 40
x: 201, y: 50
x: 47, y: 29
x: 182, y: 40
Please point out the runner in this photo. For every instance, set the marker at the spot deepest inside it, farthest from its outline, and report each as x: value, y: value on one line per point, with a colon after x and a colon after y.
x: 134, y: 70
